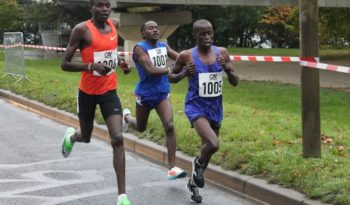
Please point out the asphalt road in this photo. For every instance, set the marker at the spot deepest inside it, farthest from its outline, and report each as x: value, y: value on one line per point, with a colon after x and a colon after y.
x: 33, y: 172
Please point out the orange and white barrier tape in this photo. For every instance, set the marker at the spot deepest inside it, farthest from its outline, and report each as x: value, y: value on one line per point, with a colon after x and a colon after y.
x: 124, y: 53
x: 233, y: 57
x: 44, y: 47
x: 265, y: 58
x: 312, y: 62
x: 121, y: 53
x: 323, y: 66
x: 33, y: 46
x: 11, y: 46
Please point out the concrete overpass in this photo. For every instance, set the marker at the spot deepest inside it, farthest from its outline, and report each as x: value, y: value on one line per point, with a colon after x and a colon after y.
x: 132, y: 13
x: 138, y: 3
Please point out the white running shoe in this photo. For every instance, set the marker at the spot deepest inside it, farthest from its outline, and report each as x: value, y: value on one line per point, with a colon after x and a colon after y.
x: 126, y: 111
x: 175, y: 173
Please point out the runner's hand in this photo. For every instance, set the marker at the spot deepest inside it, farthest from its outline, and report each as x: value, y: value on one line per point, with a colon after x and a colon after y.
x: 221, y: 61
x: 101, y: 68
x: 190, y: 69
x: 124, y: 66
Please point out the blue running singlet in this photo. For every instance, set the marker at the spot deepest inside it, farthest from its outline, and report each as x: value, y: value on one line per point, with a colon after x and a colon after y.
x: 148, y: 84
x: 204, y: 97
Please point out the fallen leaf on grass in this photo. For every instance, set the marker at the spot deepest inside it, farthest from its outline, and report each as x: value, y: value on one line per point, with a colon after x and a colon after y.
x: 327, y: 141
x: 340, y: 148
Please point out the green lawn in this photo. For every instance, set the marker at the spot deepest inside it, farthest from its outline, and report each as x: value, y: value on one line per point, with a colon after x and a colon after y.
x: 260, y: 135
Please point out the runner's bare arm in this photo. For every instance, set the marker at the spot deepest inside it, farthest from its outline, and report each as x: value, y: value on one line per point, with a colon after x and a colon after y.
x: 171, y: 53
x: 225, y: 61
x: 78, y: 40
x: 183, y: 67
x: 145, y: 62
x: 75, y: 41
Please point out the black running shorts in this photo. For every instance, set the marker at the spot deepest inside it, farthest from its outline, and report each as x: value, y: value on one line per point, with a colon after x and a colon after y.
x: 109, y: 105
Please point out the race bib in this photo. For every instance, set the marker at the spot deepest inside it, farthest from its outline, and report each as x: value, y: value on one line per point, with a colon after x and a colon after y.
x: 109, y: 58
x: 158, y: 56
x: 210, y: 84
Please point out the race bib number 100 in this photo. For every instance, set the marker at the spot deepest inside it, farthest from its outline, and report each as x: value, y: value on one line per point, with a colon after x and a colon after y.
x: 210, y: 84
x: 158, y: 57
x: 109, y: 58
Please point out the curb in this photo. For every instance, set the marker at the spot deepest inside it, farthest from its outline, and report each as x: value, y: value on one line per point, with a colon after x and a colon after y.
x: 248, y: 186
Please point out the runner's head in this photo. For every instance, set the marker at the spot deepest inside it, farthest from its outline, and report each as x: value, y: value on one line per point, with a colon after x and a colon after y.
x: 100, y: 9
x: 149, y: 31
x: 203, y: 33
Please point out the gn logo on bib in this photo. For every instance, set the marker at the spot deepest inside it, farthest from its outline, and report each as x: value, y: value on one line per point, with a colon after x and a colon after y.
x: 210, y: 84
x: 158, y: 56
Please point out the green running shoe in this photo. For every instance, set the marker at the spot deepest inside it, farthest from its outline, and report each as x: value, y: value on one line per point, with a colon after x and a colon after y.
x: 67, y: 145
x: 123, y: 200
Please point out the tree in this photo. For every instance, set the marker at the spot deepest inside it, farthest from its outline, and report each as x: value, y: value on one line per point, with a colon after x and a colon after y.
x: 50, y: 15
x: 238, y: 26
x: 281, y: 26
x: 233, y: 26
x: 10, y: 17
x: 334, y: 26
x: 44, y: 13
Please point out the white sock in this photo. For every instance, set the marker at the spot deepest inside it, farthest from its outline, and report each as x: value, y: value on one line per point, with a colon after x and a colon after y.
x: 68, y: 139
x: 121, y: 196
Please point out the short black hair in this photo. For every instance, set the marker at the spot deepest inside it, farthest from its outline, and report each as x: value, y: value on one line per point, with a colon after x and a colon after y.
x: 198, y: 23
x: 142, y: 28
x: 93, y: 2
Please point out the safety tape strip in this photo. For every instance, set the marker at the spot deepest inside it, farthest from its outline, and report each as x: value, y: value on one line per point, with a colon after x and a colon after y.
x: 121, y: 53
x: 265, y: 58
x: 312, y: 62
x: 233, y: 57
x: 323, y: 66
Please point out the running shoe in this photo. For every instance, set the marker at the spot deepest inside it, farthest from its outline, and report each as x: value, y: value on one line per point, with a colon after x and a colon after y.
x: 67, y: 145
x: 197, y: 173
x: 175, y: 173
x: 123, y: 200
x: 195, y: 197
x: 126, y: 112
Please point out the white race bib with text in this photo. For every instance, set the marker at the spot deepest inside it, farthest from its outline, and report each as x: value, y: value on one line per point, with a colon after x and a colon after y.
x: 158, y: 57
x: 210, y: 84
x: 109, y: 58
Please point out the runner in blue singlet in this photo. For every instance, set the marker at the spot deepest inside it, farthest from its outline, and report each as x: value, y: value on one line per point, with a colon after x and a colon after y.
x: 204, y: 66
x: 152, y: 91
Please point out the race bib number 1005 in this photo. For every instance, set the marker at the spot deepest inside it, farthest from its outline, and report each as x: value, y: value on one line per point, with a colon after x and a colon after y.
x: 210, y: 84
x: 109, y: 58
x: 158, y: 56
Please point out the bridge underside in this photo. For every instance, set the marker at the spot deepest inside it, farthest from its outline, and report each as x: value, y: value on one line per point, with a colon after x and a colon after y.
x: 137, y: 3
x: 133, y: 13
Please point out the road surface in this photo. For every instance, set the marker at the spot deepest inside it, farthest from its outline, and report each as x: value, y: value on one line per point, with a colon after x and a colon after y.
x: 33, y: 172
